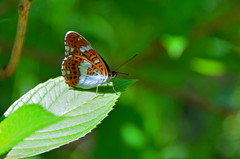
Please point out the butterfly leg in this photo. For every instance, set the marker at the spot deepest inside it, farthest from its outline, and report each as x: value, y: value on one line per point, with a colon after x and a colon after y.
x: 114, y: 89
x: 97, y: 91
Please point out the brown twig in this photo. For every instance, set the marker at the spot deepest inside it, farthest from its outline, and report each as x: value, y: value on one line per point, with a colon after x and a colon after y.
x: 23, y: 9
x: 192, y: 98
x: 218, y: 23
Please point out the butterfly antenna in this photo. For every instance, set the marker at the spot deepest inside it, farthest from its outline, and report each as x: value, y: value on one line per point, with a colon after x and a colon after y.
x: 125, y: 64
x: 123, y: 73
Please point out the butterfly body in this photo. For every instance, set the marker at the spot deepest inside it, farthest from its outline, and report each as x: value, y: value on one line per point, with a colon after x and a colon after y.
x: 82, y: 66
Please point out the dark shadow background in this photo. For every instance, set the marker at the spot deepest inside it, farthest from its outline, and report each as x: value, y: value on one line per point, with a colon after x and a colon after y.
x: 186, y: 102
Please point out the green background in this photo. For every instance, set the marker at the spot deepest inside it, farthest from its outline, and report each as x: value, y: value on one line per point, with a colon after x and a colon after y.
x: 186, y: 102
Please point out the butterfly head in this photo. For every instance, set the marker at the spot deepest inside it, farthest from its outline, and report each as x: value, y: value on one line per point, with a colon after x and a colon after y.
x: 113, y: 74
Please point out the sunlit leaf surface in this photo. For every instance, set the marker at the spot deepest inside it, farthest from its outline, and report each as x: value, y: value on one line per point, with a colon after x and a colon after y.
x: 82, y: 109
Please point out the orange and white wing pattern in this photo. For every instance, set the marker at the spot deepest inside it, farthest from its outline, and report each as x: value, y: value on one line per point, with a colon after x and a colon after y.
x: 76, y: 44
x: 82, y: 66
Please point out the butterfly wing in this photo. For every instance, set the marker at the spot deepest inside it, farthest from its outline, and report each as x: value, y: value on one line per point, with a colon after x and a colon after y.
x: 81, y: 72
x: 76, y: 44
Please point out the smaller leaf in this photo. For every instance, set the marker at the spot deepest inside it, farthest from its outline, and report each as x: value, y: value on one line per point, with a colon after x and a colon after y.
x: 23, y: 122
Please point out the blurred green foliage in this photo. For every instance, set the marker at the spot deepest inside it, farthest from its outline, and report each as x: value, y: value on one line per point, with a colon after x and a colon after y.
x: 186, y: 102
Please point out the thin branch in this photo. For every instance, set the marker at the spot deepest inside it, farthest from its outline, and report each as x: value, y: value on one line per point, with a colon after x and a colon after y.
x: 23, y: 9
x: 218, y: 23
x: 193, y: 98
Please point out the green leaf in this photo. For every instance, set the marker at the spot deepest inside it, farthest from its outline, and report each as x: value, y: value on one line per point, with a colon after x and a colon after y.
x: 22, y: 123
x: 82, y: 109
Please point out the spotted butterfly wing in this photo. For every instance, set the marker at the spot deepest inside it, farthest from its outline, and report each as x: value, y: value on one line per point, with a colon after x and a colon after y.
x: 82, y: 66
x: 76, y: 44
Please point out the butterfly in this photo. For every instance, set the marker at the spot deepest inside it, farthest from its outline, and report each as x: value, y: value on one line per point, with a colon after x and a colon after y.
x: 82, y: 66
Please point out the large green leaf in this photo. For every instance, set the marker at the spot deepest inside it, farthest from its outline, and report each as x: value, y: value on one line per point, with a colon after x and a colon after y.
x: 82, y: 111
